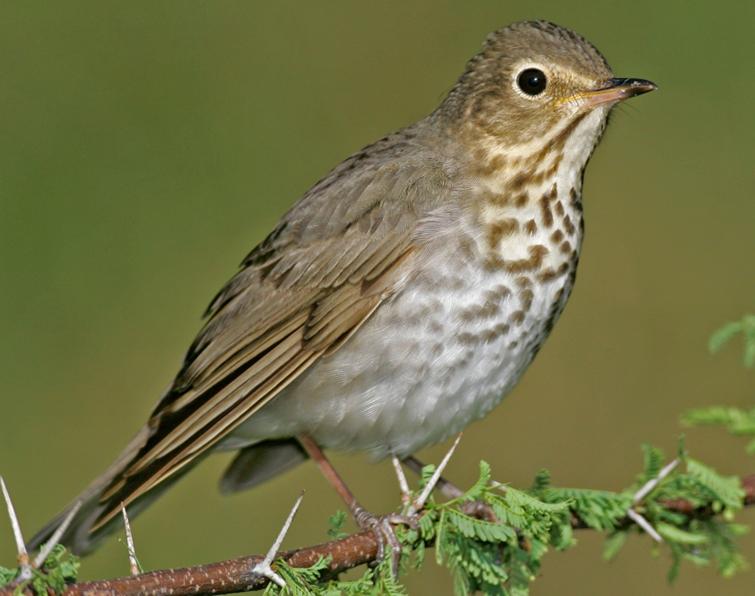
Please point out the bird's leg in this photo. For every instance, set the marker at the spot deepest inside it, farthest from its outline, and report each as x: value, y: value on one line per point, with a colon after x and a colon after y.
x: 449, y: 490
x: 381, y: 526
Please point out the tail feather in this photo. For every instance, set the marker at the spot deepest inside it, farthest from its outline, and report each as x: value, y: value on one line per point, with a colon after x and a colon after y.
x: 78, y: 536
x: 253, y: 465
x: 259, y: 463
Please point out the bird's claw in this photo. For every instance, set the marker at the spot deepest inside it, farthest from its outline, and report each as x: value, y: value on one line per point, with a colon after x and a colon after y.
x: 383, y: 527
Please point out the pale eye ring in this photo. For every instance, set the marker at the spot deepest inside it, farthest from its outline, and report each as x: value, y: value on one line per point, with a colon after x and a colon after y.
x: 531, y: 81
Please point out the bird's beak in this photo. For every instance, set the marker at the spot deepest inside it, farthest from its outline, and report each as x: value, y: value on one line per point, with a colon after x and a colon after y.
x: 617, y: 90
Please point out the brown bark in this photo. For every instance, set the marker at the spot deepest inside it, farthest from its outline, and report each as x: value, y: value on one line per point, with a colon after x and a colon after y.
x: 234, y: 575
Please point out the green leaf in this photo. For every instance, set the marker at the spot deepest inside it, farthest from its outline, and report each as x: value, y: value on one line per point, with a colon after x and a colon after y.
x: 542, y: 481
x: 653, y: 459
x: 723, y: 334
x: 477, y: 489
x: 613, y: 545
x: 727, y: 489
x: 675, y: 534
x: 745, y: 326
x: 7, y: 575
x: 478, y: 529
x: 335, y: 525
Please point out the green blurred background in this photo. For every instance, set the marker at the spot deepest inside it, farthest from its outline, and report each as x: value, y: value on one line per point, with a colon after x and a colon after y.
x: 146, y: 146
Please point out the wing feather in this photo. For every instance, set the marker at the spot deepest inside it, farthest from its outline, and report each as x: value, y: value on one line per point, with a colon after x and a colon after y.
x: 300, y: 294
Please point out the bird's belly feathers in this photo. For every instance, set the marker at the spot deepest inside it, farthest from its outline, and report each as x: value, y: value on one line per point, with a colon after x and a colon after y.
x: 438, y: 355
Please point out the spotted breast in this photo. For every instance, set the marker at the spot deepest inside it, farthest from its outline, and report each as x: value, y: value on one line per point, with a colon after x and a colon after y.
x: 457, y: 337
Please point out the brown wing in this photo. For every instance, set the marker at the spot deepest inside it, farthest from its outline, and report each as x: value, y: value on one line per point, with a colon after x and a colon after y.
x: 332, y: 260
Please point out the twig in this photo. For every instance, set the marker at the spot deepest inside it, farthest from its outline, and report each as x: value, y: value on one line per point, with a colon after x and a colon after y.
x: 47, y: 547
x: 644, y: 524
x: 23, y: 557
x: 419, y: 503
x: 653, y: 482
x: 133, y: 563
x: 402, y: 483
x: 644, y: 491
x: 264, y: 567
x: 447, y: 489
x: 235, y: 575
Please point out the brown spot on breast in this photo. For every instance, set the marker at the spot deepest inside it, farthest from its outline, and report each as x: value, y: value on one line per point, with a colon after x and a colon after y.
x: 574, y: 196
x: 526, y: 297
x: 468, y: 339
x: 517, y: 317
x: 537, y: 252
x: 554, y: 166
x: 521, y: 199
x: 497, y: 293
x: 466, y: 247
x: 517, y: 182
x: 456, y: 282
x: 523, y: 281
x: 545, y: 211
x: 565, y: 247
x: 487, y: 310
x: 551, y: 274
x: 530, y: 227
x: 557, y: 236
x: 552, y: 194
x: 492, y: 166
x: 500, y: 229
x: 569, y: 226
x: 498, y: 199
x: 559, y: 209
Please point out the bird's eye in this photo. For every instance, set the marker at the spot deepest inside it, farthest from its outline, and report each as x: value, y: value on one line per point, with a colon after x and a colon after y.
x: 532, y: 81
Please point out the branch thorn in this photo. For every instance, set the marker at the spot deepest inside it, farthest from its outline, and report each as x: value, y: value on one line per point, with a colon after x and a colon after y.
x: 420, y: 501
x: 402, y: 483
x: 47, y: 547
x: 264, y: 567
x: 24, y: 564
x: 133, y: 562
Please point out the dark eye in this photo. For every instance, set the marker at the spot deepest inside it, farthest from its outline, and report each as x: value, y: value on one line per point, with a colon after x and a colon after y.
x: 532, y: 81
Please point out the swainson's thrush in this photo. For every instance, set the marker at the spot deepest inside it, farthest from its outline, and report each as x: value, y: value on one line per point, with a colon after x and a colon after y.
x: 404, y: 295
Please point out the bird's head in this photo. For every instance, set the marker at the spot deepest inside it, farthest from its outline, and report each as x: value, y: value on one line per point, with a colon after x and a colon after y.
x: 532, y: 81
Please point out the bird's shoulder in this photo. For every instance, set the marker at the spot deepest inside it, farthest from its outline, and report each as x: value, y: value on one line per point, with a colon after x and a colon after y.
x: 336, y: 253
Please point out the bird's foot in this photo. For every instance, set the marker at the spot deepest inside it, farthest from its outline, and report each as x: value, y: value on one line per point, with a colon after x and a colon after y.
x: 383, y: 527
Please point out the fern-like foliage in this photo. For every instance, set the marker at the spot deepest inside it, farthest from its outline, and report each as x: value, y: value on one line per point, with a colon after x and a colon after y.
x: 738, y: 421
x: 504, y: 557
x: 746, y: 327
x: 59, y: 569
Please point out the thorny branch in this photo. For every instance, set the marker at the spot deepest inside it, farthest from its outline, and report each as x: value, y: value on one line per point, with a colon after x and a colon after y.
x: 236, y: 575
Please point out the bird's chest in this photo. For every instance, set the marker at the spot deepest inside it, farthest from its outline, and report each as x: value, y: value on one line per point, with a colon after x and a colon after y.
x: 483, y: 306
x: 447, y: 348
x: 450, y: 344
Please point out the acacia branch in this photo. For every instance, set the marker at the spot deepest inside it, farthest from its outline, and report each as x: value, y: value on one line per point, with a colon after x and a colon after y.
x: 235, y: 575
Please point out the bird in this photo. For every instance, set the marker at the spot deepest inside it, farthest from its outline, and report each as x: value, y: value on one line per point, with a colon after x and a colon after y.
x: 400, y: 298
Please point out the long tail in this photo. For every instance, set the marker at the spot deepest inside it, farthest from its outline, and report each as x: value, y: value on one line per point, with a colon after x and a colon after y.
x: 79, y: 536
x: 253, y: 465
